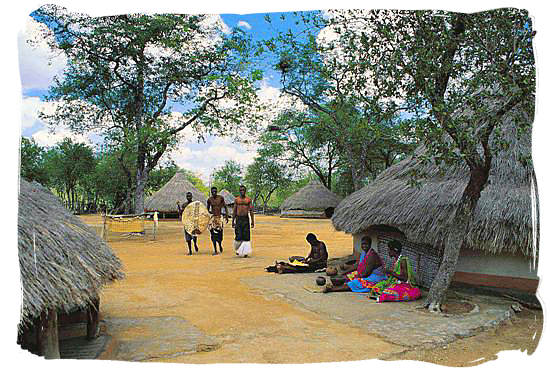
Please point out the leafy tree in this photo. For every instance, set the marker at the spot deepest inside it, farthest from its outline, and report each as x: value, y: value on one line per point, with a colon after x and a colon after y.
x: 462, y: 73
x: 67, y: 164
x: 264, y: 176
x: 32, y: 162
x: 111, y: 182
x: 320, y: 72
x: 228, y: 176
x: 301, y: 145
x: 126, y: 74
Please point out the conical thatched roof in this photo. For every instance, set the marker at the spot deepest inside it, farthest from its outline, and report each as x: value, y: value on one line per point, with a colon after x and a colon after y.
x: 227, y: 197
x: 63, y: 263
x: 164, y: 200
x: 314, y: 196
x: 503, y: 221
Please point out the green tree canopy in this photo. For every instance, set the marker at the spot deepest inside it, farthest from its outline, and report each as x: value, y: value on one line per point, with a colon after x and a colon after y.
x: 32, y: 162
x: 229, y: 176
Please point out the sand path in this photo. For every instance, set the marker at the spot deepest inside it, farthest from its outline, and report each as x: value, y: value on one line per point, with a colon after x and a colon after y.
x: 170, y: 300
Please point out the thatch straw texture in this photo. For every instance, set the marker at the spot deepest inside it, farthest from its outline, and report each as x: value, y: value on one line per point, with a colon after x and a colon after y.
x: 503, y: 220
x: 227, y: 197
x: 63, y: 263
x: 312, y: 197
x: 164, y: 200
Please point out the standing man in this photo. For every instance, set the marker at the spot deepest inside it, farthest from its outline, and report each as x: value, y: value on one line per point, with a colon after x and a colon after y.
x: 241, y: 223
x: 214, y: 206
x: 188, y: 237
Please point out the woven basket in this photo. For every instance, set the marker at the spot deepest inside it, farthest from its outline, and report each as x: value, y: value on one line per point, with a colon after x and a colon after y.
x: 195, y: 218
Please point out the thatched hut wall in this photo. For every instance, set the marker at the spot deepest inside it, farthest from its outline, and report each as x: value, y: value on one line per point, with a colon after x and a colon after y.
x: 311, y: 201
x: 164, y: 200
x: 63, y: 263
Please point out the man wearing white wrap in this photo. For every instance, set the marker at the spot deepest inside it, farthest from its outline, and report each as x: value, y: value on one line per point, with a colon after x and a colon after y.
x: 242, y: 224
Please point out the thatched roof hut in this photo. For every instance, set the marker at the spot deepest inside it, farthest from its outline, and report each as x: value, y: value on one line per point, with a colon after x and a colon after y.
x: 503, y: 220
x: 503, y: 217
x: 227, y: 197
x: 312, y: 201
x: 164, y: 200
x: 63, y: 263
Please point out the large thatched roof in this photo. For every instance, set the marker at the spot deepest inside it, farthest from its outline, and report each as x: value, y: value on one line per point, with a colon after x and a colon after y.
x: 227, y: 197
x: 164, y: 200
x: 503, y: 221
x: 63, y: 263
x: 314, y: 196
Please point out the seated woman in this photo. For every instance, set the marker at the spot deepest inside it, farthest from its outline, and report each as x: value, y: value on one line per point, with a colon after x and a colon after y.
x: 316, y: 259
x: 370, y: 271
x: 401, y: 284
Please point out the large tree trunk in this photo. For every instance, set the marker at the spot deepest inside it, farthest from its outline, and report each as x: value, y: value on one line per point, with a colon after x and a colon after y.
x: 142, y: 175
x: 461, y: 224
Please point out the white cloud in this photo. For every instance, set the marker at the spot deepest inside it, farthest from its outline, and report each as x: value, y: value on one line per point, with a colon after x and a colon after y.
x: 30, y: 109
x: 276, y: 103
x: 38, y: 64
x: 244, y: 25
x: 29, y: 112
x: 203, y: 159
x: 215, y: 22
x: 46, y: 138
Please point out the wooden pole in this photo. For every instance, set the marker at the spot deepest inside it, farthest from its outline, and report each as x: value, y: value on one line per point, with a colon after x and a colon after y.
x: 48, y: 337
x: 103, y: 230
x: 92, y: 325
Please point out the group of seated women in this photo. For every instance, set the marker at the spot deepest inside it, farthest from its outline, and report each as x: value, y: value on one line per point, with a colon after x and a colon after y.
x: 370, y: 275
x: 367, y: 275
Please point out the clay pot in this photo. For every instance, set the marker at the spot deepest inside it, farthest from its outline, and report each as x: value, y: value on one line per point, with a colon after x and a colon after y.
x: 320, y: 281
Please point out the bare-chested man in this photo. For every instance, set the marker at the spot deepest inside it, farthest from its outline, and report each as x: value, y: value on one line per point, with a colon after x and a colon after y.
x: 188, y: 237
x: 240, y: 221
x: 215, y: 204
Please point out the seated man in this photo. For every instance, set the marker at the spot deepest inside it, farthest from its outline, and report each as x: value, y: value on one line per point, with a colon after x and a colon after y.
x: 369, y: 272
x: 316, y: 259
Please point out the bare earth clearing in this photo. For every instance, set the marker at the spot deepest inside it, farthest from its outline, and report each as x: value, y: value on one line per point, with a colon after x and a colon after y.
x: 197, y: 309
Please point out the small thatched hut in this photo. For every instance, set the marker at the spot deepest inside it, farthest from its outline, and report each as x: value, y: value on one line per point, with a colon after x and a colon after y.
x: 228, y: 197
x: 312, y: 201
x: 64, y: 265
x: 500, y: 248
x: 164, y: 200
x: 229, y: 200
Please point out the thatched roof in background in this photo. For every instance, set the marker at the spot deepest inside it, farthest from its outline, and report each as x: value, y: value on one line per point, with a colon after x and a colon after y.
x: 313, y: 196
x: 503, y: 218
x: 164, y: 200
x: 227, y: 197
x: 63, y: 263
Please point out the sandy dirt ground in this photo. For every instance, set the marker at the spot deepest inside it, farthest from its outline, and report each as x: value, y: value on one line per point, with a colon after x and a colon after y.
x: 205, y: 293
